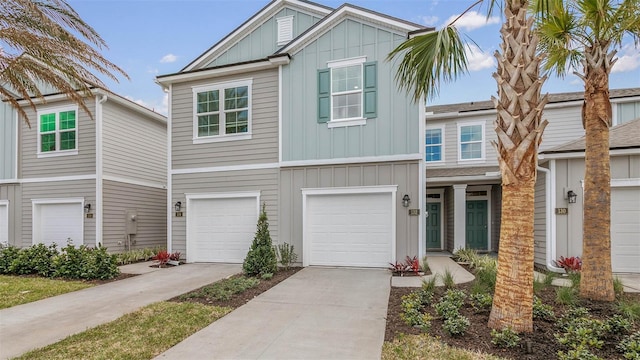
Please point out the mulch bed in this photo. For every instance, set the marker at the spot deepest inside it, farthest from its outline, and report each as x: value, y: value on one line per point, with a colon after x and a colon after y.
x: 477, y: 337
x: 242, y: 298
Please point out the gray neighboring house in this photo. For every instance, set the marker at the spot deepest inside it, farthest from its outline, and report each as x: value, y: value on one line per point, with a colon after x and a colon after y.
x: 463, y: 191
x: 99, y: 180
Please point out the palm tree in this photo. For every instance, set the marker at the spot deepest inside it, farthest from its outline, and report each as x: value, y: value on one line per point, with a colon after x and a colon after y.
x: 39, y: 47
x: 428, y: 58
x: 587, y: 32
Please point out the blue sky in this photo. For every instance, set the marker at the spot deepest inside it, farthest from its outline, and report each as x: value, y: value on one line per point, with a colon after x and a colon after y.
x: 154, y: 37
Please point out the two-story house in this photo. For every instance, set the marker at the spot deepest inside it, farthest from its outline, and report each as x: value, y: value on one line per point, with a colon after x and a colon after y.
x: 98, y: 179
x: 297, y: 109
x: 464, y: 182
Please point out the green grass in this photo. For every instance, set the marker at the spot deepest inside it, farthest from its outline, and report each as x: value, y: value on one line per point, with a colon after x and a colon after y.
x: 223, y: 289
x: 16, y: 290
x: 448, y: 280
x: 629, y: 309
x: 567, y: 296
x: 426, y: 347
x: 143, y: 334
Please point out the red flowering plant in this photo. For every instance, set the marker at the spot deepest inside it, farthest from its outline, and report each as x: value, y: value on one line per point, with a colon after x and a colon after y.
x: 410, y: 265
x: 162, y: 257
x: 569, y: 264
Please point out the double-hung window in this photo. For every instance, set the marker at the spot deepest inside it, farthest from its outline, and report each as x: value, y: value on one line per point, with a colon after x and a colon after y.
x: 222, y: 111
x: 434, y: 138
x: 471, y: 141
x: 58, y: 131
x: 347, y: 92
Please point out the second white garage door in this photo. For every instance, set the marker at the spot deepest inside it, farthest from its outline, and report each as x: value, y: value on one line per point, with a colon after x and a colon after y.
x: 625, y: 229
x: 220, y: 229
x: 349, y: 229
x: 58, y: 221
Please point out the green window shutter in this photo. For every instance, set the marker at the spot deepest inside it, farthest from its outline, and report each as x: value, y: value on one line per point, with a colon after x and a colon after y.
x: 324, y: 95
x: 370, y: 90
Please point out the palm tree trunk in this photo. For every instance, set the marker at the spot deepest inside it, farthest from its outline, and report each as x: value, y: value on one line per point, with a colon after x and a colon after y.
x: 519, y: 131
x: 597, y: 279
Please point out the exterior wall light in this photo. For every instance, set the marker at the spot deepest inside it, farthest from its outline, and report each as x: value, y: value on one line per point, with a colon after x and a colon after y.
x: 178, y: 206
x: 406, y: 200
x: 87, y: 208
x: 573, y: 197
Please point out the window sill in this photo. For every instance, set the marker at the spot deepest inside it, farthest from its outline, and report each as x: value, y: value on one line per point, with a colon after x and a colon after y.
x: 435, y: 163
x: 345, y: 123
x: 57, y: 153
x: 472, y: 161
x: 221, y: 138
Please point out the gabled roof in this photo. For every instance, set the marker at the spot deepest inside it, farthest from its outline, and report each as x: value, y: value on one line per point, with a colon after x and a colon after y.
x: 623, y: 136
x: 256, y: 20
x: 553, y: 98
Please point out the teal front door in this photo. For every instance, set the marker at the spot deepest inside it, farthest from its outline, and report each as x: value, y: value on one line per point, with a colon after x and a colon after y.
x: 476, y: 228
x: 433, y: 226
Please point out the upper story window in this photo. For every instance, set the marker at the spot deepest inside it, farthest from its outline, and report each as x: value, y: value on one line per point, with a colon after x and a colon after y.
x: 285, y: 29
x: 347, y: 92
x: 222, y: 112
x: 434, y: 141
x: 626, y: 112
x: 57, y: 131
x: 471, y: 141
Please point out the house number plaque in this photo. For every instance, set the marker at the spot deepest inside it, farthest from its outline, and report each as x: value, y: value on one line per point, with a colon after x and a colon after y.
x: 414, y: 212
x: 562, y: 211
x: 179, y: 214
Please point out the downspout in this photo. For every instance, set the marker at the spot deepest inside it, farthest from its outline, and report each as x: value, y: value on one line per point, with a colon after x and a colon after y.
x: 99, y: 167
x: 550, y: 223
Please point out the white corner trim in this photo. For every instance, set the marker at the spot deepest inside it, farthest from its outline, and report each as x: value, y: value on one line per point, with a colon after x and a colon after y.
x: 224, y: 168
x: 169, y: 179
x: 280, y: 113
x: 353, y: 160
x: 59, y: 178
x: 99, y: 167
x: 131, y: 181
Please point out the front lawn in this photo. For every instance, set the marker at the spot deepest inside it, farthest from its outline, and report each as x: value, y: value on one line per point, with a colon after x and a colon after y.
x: 16, y: 290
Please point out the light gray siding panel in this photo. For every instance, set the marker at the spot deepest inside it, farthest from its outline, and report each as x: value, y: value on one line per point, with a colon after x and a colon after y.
x: 540, y: 221
x: 262, y: 40
x: 134, y: 146
x: 82, y: 163
x: 13, y: 193
x: 265, y: 181
x: 403, y: 174
x: 150, y: 205
x: 58, y: 190
x: 8, y: 146
x: 261, y: 148
x: 393, y: 132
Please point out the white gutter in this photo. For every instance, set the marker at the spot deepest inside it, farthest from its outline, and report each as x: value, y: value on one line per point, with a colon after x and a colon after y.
x: 99, y: 167
x: 550, y: 223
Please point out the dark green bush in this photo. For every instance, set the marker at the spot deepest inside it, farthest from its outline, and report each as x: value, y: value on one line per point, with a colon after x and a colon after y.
x: 7, y: 255
x: 507, y: 338
x: 261, y: 258
x: 36, y: 259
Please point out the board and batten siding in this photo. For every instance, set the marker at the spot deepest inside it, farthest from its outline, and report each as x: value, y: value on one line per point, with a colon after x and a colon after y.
x: 81, y: 164
x: 8, y: 145
x: 57, y: 190
x: 150, y: 205
x: 134, y: 146
x: 261, y: 148
x: 263, y: 180
x: 13, y: 194
x: 262, y: 41
x: 403, y: 174
x: 394, y: 131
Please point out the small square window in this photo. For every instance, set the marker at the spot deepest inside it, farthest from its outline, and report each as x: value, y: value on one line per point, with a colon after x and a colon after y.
x: 57, y: 131
x: 222, y: 110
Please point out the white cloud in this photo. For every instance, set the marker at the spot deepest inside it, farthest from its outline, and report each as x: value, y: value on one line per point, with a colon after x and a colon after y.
x: 429, y: 20
x: 160, y: 106
x: 477, y: 59
x: 628, y: 59
x: 169, y: 58
x: 472, y: 20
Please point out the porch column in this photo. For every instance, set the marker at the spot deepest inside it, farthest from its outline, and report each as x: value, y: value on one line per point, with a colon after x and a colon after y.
x: 459, y: 216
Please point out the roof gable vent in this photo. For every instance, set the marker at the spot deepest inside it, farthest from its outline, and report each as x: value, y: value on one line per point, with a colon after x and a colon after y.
x: 285, y: 29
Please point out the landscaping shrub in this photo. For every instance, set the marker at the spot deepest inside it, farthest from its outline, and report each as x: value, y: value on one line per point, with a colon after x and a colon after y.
x: 629, y: 309
x: 481, y: 301
x: 507, y: 338
x: 630, y: 346
x: 465, y: 256
x: 7, y: 255
x: 261, y: 258
x: 450, y: 304
x: 456, y: 325
x: 36, y: 259
x: 86, y: 263
x: 286, y: 255
x: 570, y: 264
x: 413, y: 305
x: 542, y: 311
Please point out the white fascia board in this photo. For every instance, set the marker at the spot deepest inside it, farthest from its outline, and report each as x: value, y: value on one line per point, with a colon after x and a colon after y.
x: 165, y: 81
x: 455, y: 114
x: 256, y: 20
x: 580, y: 154
x: 456, y: 179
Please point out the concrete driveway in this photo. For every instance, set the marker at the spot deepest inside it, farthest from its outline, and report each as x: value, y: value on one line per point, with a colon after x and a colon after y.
x: 318, y: 313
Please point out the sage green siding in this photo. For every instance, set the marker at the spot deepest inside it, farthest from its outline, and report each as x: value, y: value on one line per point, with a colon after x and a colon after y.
x: 262, y: 40
x: 8, y: 146
x: 403, y: 174
x: 263, y: 180
x: 395, y: 131
x: 261, y: 148
x: 150, y: 205
x: 13, y: 193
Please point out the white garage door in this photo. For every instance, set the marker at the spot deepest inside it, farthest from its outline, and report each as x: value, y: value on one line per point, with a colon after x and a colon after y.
x: 4, y: 222
x: 58, y: 222
x: 349, y: 229
x: 220, y: 229
x: 625, y: 229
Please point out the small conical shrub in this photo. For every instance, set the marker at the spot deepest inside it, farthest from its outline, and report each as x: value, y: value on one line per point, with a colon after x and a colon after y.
x: 261, y: 258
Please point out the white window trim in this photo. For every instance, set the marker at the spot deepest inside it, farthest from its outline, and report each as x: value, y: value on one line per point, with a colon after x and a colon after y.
x: 482, y: 146
x: 5, y: 204
x: 57, y: 110
x: 282, y: 40
x: 221, y: 86
x: 360, y: 120
x: 306, y: 192
x: 35, y: 231
x: 435, y: 127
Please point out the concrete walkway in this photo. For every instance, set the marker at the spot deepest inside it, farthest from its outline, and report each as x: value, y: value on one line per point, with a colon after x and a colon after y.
x: 318, y: 313
x: 439, y: 265
x: 37, y: 324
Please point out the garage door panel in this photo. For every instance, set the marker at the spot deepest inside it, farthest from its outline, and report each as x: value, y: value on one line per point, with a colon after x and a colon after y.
x: 349, y: 229
x: 56, y: 223
x: 625, y: 229
x: 4, y: 224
